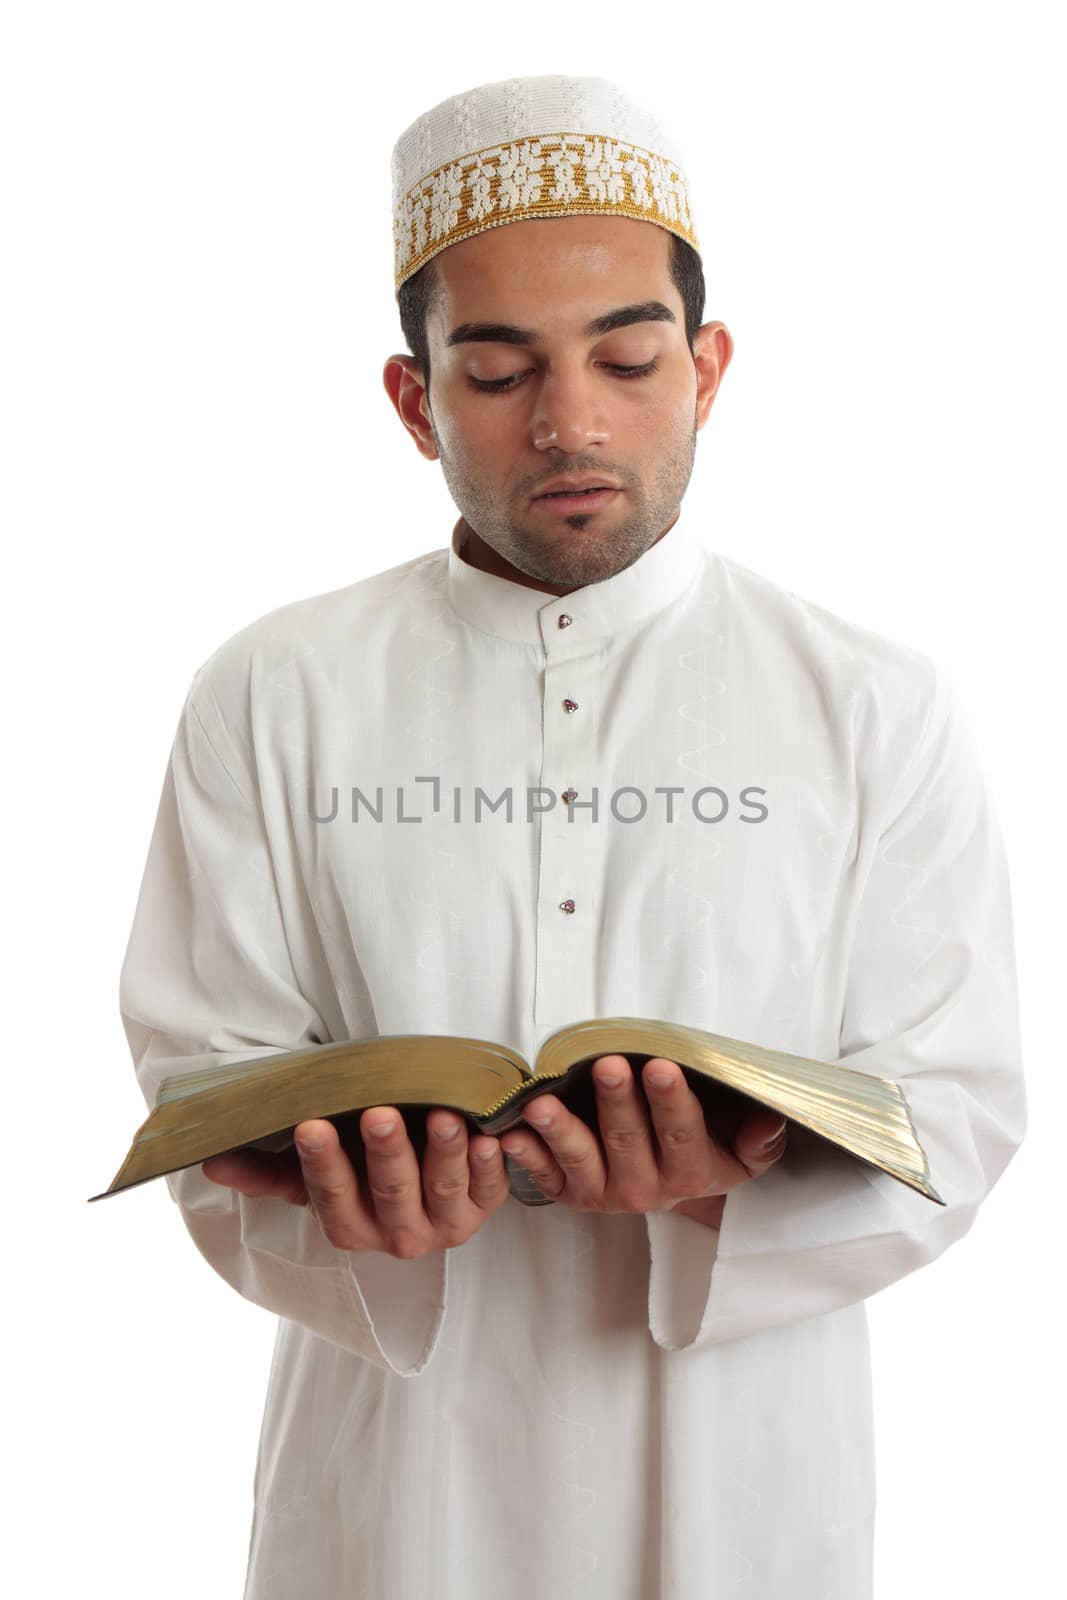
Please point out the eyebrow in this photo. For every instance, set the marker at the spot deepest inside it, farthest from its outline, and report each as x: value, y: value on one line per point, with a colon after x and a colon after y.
x: 507, y: 333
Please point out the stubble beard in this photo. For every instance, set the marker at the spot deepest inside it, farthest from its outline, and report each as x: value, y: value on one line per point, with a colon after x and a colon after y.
x: 580, y: 547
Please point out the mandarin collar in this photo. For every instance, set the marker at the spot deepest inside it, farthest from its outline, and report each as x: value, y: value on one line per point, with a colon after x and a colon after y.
x: 532, y: 616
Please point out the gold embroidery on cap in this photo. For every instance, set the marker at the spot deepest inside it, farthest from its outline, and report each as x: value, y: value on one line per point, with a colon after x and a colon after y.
x: 555, y: 175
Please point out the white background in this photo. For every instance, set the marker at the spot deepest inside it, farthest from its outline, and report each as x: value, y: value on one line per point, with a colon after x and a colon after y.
x: 197, y: 303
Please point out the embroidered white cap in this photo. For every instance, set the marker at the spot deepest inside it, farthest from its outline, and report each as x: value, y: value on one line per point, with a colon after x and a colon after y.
x: 531, y: 147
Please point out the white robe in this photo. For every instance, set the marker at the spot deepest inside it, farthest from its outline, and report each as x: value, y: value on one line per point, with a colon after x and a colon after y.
x: 622, y: 1407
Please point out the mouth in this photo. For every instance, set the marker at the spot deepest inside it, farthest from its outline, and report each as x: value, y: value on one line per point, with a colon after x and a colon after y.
x: 580, y: 500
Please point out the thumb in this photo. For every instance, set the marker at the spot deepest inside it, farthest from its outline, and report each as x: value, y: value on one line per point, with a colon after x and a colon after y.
x: 761, y: 1141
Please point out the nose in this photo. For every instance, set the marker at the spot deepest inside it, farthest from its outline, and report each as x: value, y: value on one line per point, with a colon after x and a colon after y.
x: 566, y: 419
x: 546, y: 441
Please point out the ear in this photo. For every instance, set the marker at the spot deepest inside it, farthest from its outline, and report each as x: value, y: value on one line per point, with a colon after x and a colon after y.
x: 712, y: 348
x: 406, y: 388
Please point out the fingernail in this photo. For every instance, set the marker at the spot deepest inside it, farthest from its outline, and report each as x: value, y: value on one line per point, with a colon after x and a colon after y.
x: 380, y: 1130
x: 609, y: 1080
x: 539, y: 1122
x: 311, y: 1146
x: 661, y: 1079
x: 449, y: 1132
x: 774, y: 1137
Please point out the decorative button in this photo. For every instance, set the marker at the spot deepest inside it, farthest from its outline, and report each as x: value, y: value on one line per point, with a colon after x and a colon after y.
x: 570, y: 705
x: 564, y: 620
x: 570, y: 794
x: 566, y: 905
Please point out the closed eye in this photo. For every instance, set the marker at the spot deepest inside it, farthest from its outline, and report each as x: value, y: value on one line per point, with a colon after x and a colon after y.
x: 502, y: 385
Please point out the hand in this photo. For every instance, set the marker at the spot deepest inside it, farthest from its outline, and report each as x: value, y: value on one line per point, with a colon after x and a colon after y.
x: 462, y: 1182
x: 640, y: 1167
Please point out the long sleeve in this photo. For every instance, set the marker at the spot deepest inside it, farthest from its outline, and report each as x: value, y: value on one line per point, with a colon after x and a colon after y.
x: 929, y: 1000
x: 208, y: 978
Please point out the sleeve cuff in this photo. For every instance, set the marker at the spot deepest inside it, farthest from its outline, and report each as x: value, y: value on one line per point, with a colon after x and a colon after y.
x: 387, y: 1310
x: 682, y: 1255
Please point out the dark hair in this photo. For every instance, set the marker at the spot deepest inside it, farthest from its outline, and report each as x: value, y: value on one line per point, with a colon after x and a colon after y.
x: 418, y: 293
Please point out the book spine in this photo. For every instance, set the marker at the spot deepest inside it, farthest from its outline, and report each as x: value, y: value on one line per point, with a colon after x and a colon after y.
x: 523, y: 1186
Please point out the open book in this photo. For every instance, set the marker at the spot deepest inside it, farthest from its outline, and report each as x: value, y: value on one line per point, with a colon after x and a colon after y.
x: 260, y: 1101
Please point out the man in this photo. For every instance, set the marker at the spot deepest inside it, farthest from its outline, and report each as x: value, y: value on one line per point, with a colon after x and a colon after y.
x: 731, y: 808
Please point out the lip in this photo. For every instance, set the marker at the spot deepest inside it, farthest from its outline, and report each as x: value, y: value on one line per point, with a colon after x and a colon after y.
x: 592, y: 500
x: 575, y: 485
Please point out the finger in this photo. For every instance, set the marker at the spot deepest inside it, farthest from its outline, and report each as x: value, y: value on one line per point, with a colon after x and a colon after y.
x: 690, y: 1160
x: 625, y: 1132
x: 445, y: 1171
x: 488, y: 1183
x: 534, y: 1157
x: 394, y: 1182
x: 574, y: 1148
x: 761, y: 1140
x: 257, y: 1173
x: 458, y: 1172
x: 333, y: 1189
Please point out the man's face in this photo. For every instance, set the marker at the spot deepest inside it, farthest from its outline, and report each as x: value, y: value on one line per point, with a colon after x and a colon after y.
x: 569, y: 400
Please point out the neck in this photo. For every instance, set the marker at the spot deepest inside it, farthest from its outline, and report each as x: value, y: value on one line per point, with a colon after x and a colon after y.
x: 476, y: 553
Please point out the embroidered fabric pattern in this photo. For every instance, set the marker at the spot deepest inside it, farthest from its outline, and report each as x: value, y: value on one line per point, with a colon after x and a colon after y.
x: 556, y: 175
